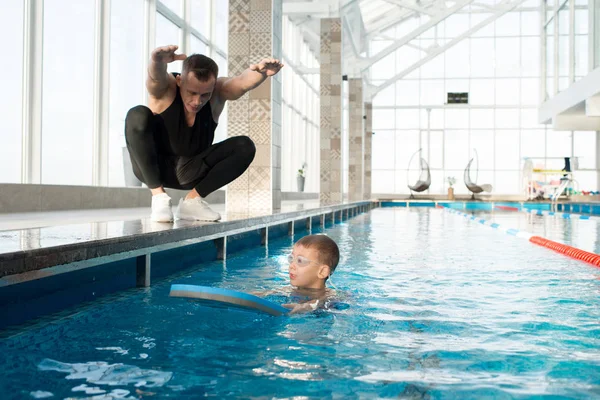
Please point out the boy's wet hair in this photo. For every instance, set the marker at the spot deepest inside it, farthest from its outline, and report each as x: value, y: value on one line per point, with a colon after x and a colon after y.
x: 329, y: 253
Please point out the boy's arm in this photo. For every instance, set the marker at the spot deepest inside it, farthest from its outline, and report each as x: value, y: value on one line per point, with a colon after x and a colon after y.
x: 309, y: 305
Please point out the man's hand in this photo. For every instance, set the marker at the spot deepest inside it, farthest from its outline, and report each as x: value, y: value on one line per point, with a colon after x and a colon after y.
x: 267, y: 67
x: 166, y: 54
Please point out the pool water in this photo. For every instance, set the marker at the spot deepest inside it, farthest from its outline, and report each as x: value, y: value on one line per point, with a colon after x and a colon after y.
x: 435, y: 307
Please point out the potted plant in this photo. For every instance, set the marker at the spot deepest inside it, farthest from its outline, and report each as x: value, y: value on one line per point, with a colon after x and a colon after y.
x: 451, y: 181
x: 301, y: 178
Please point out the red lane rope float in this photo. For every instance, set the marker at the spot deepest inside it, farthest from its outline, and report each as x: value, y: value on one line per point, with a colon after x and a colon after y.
x: 438, y: 206
x: 570, y: 251
x: 507, y: 208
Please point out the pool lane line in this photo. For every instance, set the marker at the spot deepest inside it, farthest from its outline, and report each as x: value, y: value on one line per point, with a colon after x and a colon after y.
x: 569, y: 251
x: 544, y: 212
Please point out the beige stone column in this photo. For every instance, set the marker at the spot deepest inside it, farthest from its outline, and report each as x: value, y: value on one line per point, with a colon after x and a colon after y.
x: 368, y: 149
x: 355, y: 137
x: 254, y: 34
x: 331, y: 111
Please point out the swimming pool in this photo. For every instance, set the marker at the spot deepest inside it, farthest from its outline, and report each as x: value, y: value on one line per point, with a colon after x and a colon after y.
x: 439, y: 307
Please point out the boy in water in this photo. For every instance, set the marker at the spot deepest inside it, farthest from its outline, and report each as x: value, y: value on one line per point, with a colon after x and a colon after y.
x: 313, y: 260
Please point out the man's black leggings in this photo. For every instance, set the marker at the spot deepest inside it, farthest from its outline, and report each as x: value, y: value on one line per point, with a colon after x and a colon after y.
x: 206, y: 172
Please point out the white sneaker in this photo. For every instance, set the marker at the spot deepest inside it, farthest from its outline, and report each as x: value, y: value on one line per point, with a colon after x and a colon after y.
x: 196, y: 210
x: 161, y: 208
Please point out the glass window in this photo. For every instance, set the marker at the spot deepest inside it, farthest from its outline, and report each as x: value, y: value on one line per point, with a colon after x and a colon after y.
x: 533, y: 143
x: 563, y: 83
x: 167, y: 33
x: 549, y: 87
x: 457, y: 118
x: 402, y: 182
x: 435, y: 148
x: 483, y: 142
x: 581, y: 22
x: 434, y: 68
x: 377, y: 45
x: 434, y: 119
x: 585, y: 149
x: 383, y: 150
x: 482, y: 92
x: 456, y: 24
x: 563, y: 56
x: 407, y: 119
x: 198, y: 46
x: 581, y: 55
x: 174, y: 5
x: 530, y: 23
x: 407, y: 143
x: 432, y: 92
x: 482, y: 62
x: 11, y: 26
x: 384, y: 68
x: 382, y: 181
x: 486, y: 30
x: 456, y: 149
x: 383, y: 119
x: 222, y: 24
x: 530, y: 56
x: 508, y: 24
x: 529, y: 118
x: 587, y: 180
x: 507, y: 57
x: 482, y: 118
x: 507, y: 182
x: 407, y: 92
x: 457, y: 60
x: 558, y: 143
x: 407, y: 56
x: 507, y: 92
x: 507, y: 118
x: 126, y: 48
x: 68, y: 93
x: 406, y: 27
x: 222, y: 63
x: 386, y: 97
x: 221, y: 131
x: 201, y: 13
x: 507, y: 149
x: 530, y: 91
x: 563, y: 19
x: 438, y: 185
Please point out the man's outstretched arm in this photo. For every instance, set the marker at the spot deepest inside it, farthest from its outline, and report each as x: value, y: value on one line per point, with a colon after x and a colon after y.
x: 157, y: 81
x: 235, y: 87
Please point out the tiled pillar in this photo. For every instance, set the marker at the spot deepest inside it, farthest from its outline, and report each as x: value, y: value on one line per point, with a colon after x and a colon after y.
x: 356, y: 134
x: 254, y: 34
x: 331, y: 111
x: 368, y: 148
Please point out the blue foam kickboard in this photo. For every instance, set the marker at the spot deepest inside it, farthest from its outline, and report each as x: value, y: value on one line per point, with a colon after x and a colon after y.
x: 219, y: 297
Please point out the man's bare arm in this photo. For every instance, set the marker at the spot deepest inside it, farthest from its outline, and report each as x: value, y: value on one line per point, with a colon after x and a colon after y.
x: 157, y: 82
x: 235, y: 87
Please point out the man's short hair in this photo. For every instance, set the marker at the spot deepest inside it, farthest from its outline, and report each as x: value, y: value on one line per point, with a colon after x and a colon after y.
x: 201, y: 66
x: 329, y: 253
